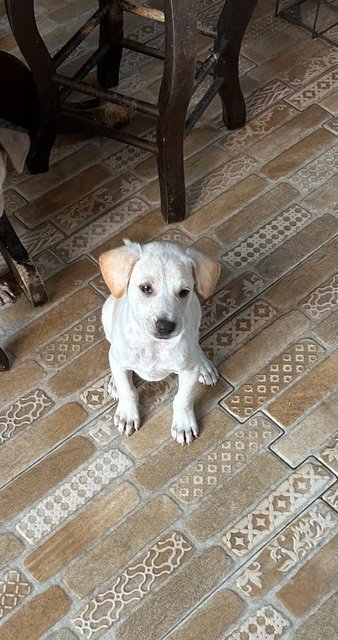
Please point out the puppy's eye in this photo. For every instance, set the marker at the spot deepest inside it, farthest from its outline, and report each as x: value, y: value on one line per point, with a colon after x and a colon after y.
x: 146, y: 289
x: 183, y: 293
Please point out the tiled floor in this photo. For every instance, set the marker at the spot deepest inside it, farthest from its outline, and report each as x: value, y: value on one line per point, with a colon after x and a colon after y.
x: 232, y: 537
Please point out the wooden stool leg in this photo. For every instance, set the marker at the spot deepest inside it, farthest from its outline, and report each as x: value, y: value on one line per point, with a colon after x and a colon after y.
x: 111, y: 33
x: 175, y: 93
x: 231, y: 27
x: 23, y: 24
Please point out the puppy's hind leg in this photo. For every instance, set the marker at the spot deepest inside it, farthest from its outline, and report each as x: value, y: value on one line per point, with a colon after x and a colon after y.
x: 208, y: 372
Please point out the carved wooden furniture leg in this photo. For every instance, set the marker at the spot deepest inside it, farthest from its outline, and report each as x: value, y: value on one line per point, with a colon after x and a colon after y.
x: 231, y: 27
x: 23, y: 24
x: 20, y: 263
x: 111, y: 34
x: 4, y: 363
x: 175, y: 93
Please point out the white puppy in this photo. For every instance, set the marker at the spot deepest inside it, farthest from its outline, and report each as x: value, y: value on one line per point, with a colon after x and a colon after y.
x: 152, y: 321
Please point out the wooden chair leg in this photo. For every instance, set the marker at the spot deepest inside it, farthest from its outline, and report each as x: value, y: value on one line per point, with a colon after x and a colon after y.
x: 174, y: 97
x: 4, y: 362
x: 231, y: 27
x: 21, y: 264
x: 111, y: 33
x: 36, y: 54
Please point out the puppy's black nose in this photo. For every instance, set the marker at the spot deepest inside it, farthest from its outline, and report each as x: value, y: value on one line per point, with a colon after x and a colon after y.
x: 165, y: 327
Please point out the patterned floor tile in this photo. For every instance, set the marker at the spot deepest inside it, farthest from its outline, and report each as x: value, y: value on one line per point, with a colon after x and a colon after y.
x: 273, y: 379
x: 44, y: 236
x: 35, y: 618
x: 332, y: 125
x: 331, y: 496
x: 266, y: 624
x: 314, y: 66
x: 268, y: 236
x: 315, y: 173
x: 23, y: 413
x: 48, y: 264
x: 72, y: 494
x: 314, y: 91
x: 228, y: 300
x: 230, y: 335
x: 14, y: 588
x: 287, y: 550
x: 322, y: 300
x: 329, y: 455
x: 265, y: 97
x: 272, y: 513
x: 132, y: 585
x: 224, y: 459
x: 73, y: 342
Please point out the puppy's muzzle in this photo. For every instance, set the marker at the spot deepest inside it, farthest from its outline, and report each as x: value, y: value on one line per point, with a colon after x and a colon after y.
x: 165, y: 328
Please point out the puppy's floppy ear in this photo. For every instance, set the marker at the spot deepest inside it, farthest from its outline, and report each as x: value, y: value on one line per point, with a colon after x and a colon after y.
x: 206, y: 272
x: 116, y: 266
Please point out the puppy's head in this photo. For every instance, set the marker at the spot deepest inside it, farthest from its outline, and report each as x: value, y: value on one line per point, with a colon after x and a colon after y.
x: 159, y: 279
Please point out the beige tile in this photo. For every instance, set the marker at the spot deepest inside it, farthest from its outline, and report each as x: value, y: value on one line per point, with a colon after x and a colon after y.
x: 331, y: 496
x: 23, y: 412
x: 289, y: 161
x: 305, y: 394
x: 321, y: 624
x: 330, y: 102
x: 261, y: 348
x: 41, y: 477
x: 224, y: 205
x: 64, y: 194
x: 67, y: 543
x: 207, y: 246
x: 264, y: 519
x: 329, y: 453
x: 160, y: 613
x: 62, y: 634
x: 14, y: 589
x: 324, y: 198
x: 37, y: 616
x: 172, y: 458
x: 120, y: 546
x: 278, y: 66
x: 321, y: 300
x: 210, y: 471
x: 146, y: 572
x: 212, y: 618
x: 54, y: 322
x: 299, y: 596
x: 15, y: 381
x: 58, y: 287
x: 327, y: 330
x: 59, y: 173
x: 310, y: 434
x: 10, y: 548
x: 318, y: 89
x: 252, y: 216
x: 34, y: 443
x: 283, y: 138
x: 80, y: 371
x: 234, y: 496
x: 294, y: 286
x: 285, y: 552
x: 266, y: 622
x: 143, y: 230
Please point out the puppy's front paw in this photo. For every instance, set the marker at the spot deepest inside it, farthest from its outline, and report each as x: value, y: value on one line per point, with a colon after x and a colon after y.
x: 208, y: 372
x: 113, y: 392
x: 127, y: 418
x: 184, y: 427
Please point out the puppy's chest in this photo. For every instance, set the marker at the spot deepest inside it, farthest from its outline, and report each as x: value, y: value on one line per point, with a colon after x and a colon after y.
x: 154, y: 361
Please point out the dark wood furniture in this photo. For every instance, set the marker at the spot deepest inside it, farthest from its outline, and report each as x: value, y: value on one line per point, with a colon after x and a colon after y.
x: 181, y: 77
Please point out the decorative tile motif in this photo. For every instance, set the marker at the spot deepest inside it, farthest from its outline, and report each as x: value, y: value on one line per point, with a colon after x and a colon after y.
x: 317, y: 172
x: 315, y: 91
x: 73, y: 342
x: 332, y: 125
x: 230, y: 335
x: 224, y: 459
x: 287, y: 550
x: 265, y: 123
x: 266, y: 624
x: 174, y: 235
x: 126, y: 158
x: 322, y: 300
x: 227, y: 300
x: 205, y: 190
x: 13, y: 201
x: 309, y: 69
x: 101, y: 201
x: 40, y: 238
x: 301, y: 487
x: 273, y: 378
x: 331, y: 496
x: 23, y: 413
x: 271, y: 93
x: 329, y: 455
x: 14, y: 588
x: 78, y: 490
x: 47, y: 264
x: 101, y: 229
x: 262, y: 27
x: 103, y: 431
x: 268, y: 236
x: 97, y: 396
x: 162, y: 559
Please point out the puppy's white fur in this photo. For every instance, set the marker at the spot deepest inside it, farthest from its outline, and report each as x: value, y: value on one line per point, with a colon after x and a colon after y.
x: 146, y: 282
